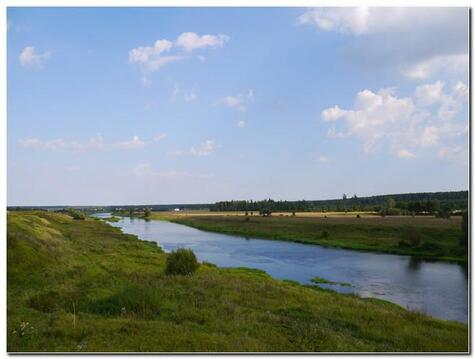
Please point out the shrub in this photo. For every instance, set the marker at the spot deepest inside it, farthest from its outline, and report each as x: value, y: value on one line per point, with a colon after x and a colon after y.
x: 182, y: 261
x: 413, y: 238
x: 76, y: 214
x: 443, y: 213
x: 246, y: 219
x: 358, y: 216
x: 325, y: 234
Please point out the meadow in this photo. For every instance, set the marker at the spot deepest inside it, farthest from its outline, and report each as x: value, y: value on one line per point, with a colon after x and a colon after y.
x: 83, y: 286
x: 422, y: 236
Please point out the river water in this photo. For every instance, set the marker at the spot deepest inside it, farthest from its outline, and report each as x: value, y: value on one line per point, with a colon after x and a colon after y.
x: 439, y: 289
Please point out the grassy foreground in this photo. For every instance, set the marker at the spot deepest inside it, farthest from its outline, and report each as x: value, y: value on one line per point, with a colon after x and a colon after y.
x: 83, y: 285
x: 439, y: 238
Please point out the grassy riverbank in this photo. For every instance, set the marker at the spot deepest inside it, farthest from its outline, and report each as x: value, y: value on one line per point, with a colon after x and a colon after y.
x: 438, y: 238
x: 82, y: 285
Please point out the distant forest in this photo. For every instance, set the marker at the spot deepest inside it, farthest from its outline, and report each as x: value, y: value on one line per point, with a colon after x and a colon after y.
x: 393, y: 204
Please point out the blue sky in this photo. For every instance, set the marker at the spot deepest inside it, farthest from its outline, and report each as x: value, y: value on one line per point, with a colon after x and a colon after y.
x: 188, y: 105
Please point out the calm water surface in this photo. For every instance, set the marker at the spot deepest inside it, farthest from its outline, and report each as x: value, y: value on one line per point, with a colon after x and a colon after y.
x: 437, y: 288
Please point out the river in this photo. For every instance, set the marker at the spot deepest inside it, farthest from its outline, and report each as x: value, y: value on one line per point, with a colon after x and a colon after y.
x: 437, y: 288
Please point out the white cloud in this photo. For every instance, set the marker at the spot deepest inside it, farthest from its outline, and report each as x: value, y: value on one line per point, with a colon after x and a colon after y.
x: 241, y: 124
x: 343, y: 20
x: 453, y: 153
x: 205, y: 149
x: 159, y: 136
x: 448, y: 64
x: 371, y: 20
x: 188, y: 96
x: 134, y: 143
x: 190, y: 41
x: 151, y: 58
x: 420, y: 43
x: 403, y: 124
x: 164, y: 52
x: 238, y: 102
x: 332, y: 114
x: 402, y: 153
x: 333, y: 133
x: 323, y: 159
x: 94, y: 143
x: 30, y: 58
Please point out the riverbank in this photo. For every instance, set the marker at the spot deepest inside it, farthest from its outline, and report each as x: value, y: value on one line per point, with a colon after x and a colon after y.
x: 83, y: 285
x: 425, y: 237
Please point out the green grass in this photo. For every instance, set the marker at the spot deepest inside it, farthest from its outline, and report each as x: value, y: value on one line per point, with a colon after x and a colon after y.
x: 320, y: 280
x: 85, y: 286
x: 112, y: 219
x: 439, y: 237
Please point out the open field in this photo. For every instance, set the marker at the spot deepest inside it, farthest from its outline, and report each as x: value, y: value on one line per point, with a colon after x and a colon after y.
x: 82, y: 285
x: 187, y: 213
x: 436, y: 238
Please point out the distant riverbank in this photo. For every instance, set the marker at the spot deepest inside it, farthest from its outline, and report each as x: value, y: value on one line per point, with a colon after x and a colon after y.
x: 421, y: 236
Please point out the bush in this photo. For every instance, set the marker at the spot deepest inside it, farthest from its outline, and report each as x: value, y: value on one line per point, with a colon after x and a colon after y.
x: 182, y: 261
x: 443, y: 213
x: 358, y: 216
x: 76, y: 214
x: 325, y: 234
x: 413, y: 238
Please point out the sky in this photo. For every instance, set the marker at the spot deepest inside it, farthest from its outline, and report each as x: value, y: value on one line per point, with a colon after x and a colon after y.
x: 195, y: 105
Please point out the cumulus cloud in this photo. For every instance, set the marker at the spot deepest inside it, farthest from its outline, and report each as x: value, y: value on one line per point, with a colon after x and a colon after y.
x: 204, y: 149
x: 152, y: 58
x: 190, y: 41
x: 239, y: 102
x: 420, y: 43
x: 403, y: 124
x: 29, y: 58
x: 163, y: 52
x: 94, y: 143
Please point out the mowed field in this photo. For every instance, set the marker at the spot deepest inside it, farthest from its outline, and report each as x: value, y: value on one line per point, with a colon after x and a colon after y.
x: 434, y: 237
x: 84, y: 286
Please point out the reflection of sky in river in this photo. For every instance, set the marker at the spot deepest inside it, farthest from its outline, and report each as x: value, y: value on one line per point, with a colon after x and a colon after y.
x: 436, y: 288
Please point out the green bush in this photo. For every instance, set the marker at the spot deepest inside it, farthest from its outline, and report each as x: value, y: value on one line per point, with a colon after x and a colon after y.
x: 325, y: 234
x: 412, y: 239
x: 182, y: 261
x: 76, y: 214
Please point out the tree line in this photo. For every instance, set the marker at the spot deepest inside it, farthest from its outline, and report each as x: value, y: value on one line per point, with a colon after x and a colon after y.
x: 408, y: 203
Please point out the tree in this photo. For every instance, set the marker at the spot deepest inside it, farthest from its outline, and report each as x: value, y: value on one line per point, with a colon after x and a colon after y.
x: 390, y: 203
x: 147, y: 212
